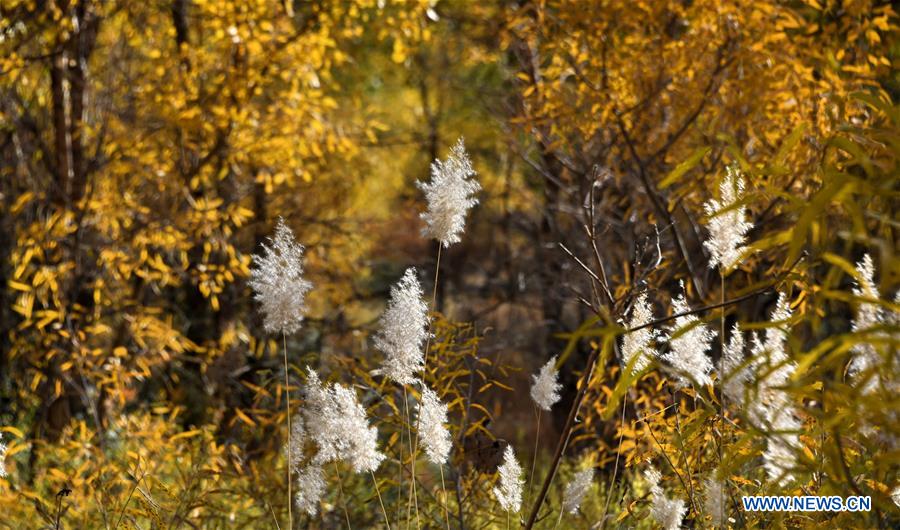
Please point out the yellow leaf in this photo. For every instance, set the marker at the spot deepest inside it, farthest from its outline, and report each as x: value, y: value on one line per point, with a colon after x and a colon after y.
x: 14, y: 431
x: 186, y: 434
x: 19, y: 286
x: 246, y: 419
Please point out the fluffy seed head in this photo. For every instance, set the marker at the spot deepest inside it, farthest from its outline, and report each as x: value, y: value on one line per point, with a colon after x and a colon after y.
x: 667, y: 512
x: 688, y: 343
x: 449, y: 195
x: 310, y: 488
x: 278, y: 284
x: 714, y: 500
x: 728, y: 225
x: 337, y: 422
x: 775, y: 344
x: 432, y: 430
x: 545, y: 389
x: 782, y: 445
x: 294, y: 449
x: 734, y: 378
x: 773, y: 407
x: 868, y: 315
x: 403, y: 330
x: 3, y: 448
x: 509, y: 492
x: 637, y: 346
x: 576, y: 490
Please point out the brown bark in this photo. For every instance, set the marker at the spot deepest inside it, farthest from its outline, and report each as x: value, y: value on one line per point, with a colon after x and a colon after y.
x: 60, y: 124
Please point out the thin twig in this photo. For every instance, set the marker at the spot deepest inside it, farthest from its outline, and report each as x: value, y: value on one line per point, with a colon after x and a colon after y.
x: 661, y: 208
x: 128, y: 499
x: 666, y: 456
x: 274, y: 517
x: 64, y: 492
x: 579, y: 262
x: 726, y: 303
x: 564, y: 436
x: 612, y: 481
x: 592, y: 235
x: 687, y: 464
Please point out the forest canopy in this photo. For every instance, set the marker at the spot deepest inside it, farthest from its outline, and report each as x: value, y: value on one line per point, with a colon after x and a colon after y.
x: 440, y: 263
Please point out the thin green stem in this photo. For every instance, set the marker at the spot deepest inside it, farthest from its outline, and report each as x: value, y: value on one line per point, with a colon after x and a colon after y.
x: 400, y: 478
x: 721, y: 432
x: 381, y: 502
x: 341, y: 491
x: 722, y: 342
x: 444, y: 497
x: 413, y: 489
x: 415, y: 445
x: 537, y: 437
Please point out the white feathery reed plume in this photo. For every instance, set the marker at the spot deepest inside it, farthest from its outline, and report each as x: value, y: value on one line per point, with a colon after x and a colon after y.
x: 432, y: 419
x: 337, y: 422
x: 509, y: 493
x: 758, y: 356
x: 449, y: 195
x: 728, y: 225
x: 310, y: 479
x: 636, y: 346
x: 868, y: 315
x: 576, y: 490
x: 310, y: 488
x: 667, y: 512
x: 774, y: 406
x: 546, y: 387
x: 782, y: 445
x: 403, y: 330
x: 545, y: 393
x: 775, y: 344
x: 689, y: 340
x: 3, y: 449
x: 734, y: 378
x: 293, y: 450
x: 278, y: 284
x: 714, y: 500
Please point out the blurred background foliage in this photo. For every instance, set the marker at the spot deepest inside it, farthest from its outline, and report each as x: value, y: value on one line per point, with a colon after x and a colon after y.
x: 147, y: 148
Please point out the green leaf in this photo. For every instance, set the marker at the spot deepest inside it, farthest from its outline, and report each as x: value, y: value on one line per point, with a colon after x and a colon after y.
x: 816, y: 208
x: 684, y: 167
x: 891, y: 111
x: 625, y: 382
x: 777, y: 166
